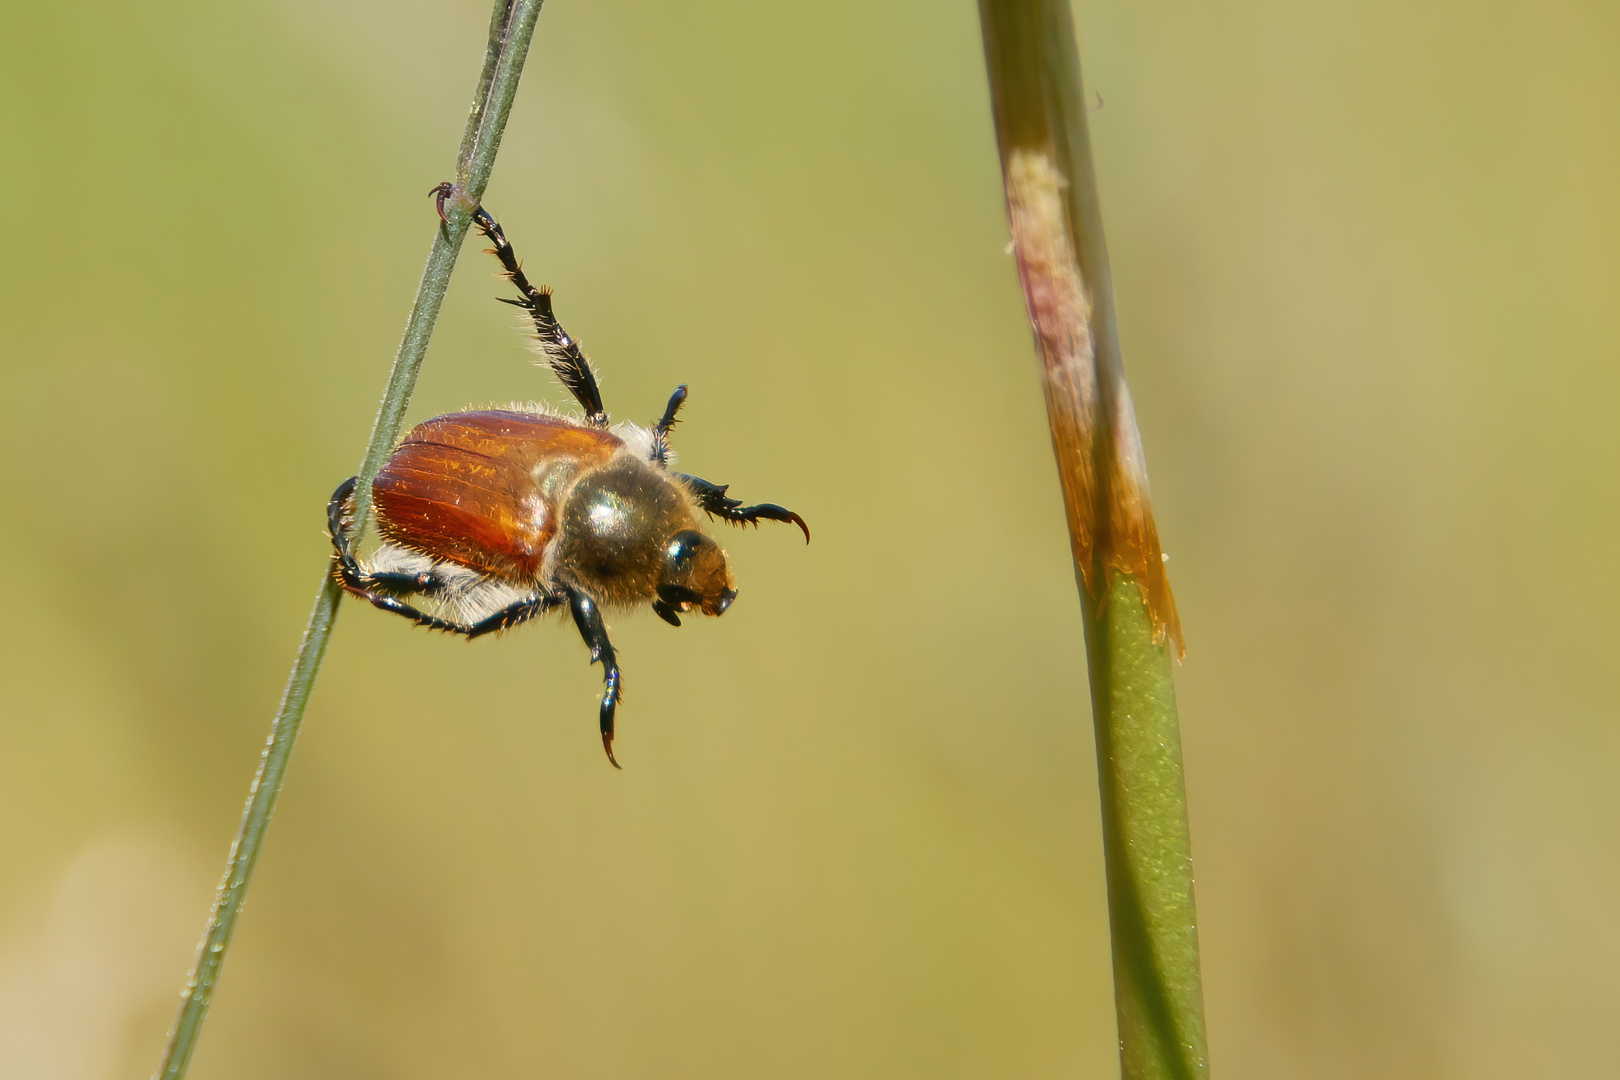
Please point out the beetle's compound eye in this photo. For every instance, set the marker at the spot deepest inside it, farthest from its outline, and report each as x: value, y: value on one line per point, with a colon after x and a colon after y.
x: 695, y: 572
x: 682, y: 547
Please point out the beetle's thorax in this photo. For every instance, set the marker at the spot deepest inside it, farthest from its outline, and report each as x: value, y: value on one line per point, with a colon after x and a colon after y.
x: 614, y: 522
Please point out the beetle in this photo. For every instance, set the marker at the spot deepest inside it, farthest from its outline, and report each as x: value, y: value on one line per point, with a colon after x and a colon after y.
x: 490, y: 517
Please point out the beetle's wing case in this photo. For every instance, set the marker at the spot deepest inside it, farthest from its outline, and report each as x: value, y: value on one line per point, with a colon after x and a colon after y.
x: 464, y: 486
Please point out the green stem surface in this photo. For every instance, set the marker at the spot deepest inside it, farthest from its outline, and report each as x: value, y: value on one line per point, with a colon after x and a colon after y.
x: 1041, y: 129
x: 1158, y: 989
x: 511, y: 30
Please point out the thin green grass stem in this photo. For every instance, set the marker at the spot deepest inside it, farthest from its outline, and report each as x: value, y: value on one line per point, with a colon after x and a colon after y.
x: 511, y: 30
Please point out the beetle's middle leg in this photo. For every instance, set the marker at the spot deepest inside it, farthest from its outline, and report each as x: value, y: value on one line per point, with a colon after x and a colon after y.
x: 660, y: 441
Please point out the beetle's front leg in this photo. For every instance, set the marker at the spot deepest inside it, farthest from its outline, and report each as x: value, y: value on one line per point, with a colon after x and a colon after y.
x: 588, y: 618
x: 714, y: 500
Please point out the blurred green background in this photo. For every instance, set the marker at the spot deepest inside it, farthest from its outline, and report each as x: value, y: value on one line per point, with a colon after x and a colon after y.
x: 1367, y: 257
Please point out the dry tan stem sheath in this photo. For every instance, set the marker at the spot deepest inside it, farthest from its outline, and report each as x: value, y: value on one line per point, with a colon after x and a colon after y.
x: 1094, y: 435
x: 1060, y: 315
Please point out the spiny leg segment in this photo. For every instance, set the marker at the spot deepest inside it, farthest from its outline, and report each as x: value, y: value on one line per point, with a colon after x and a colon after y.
x: 562, y: 351
x: 660, y: 442
x: 713, y: 499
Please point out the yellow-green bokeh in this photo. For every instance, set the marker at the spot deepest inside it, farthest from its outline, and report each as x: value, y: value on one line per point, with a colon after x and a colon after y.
x: 1367, y: 259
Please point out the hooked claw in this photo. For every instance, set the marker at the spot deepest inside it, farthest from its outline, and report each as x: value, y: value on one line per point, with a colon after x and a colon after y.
x: 753, y: 515
x: 441, y: 193
x: 799, y: 521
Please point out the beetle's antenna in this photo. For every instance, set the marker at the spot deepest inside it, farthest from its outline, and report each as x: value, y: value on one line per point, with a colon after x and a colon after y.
x: 660, y: 441
x: 563, y: 353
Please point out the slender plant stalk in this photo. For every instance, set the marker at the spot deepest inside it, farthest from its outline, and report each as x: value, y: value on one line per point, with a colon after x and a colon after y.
x: 511, y: 30
x: 1131, y: 625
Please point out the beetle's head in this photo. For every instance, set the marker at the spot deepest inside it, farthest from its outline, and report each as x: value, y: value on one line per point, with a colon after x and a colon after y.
x: 695, y: 574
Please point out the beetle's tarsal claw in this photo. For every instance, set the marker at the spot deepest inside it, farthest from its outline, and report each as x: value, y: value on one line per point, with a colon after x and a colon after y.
x: 607, y: 745
x: 441, y: 194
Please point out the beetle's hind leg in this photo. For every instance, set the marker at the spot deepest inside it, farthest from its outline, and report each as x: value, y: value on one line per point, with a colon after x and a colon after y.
x: 386, y: 588
x: 340, y: 525
x: 356, y: 579
x: 588, y: 617
x: 563, y: 353
x: 713, y: 499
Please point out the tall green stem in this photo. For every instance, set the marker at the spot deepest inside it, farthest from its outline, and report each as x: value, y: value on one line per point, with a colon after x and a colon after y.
x: 511, y: 30
x: 1130, y: 618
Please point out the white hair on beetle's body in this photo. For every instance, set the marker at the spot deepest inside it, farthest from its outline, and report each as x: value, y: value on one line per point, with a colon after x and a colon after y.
x: 465, y: 596
x: 639, y: 441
